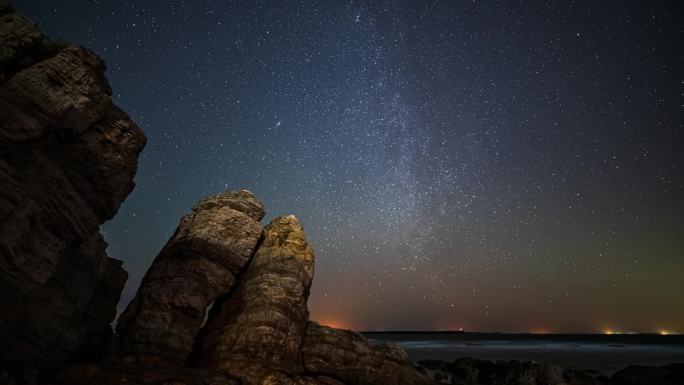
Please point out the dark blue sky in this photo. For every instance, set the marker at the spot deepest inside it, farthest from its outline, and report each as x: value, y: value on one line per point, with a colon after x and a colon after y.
x: 490, y: 165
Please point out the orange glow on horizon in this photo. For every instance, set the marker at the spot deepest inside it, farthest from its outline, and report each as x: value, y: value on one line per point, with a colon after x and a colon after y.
x: 332, y: 323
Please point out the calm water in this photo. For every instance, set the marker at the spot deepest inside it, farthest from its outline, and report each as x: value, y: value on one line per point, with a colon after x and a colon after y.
x: 592, y: 353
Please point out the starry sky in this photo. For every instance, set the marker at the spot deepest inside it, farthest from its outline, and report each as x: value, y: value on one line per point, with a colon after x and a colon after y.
x: 485, y: 165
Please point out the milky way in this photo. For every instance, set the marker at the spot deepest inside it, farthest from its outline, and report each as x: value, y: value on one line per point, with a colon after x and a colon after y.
x: 476, y: 165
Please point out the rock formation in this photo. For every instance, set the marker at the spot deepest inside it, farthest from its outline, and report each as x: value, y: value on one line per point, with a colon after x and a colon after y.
x: 198, y: 264
x: 346, y: 356
x: 264, y: 320
x: 257, y: 331
x: 67, y: 160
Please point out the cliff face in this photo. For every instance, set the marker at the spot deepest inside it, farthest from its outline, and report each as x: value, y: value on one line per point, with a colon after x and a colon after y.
x: 67, y: 160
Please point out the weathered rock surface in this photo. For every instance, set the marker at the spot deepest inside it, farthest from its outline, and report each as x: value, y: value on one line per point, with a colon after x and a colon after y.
x: 264, y: 319
x: 67, y: 160
x: 472, y: 371
x: 196, y: 266
x: 135, y: 375
x: 346, y: 356
x: 131, y: 375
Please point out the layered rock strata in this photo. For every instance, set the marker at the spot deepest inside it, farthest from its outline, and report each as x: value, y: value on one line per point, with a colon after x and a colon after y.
x: 346, y: 356
x: 264, y: 319
x: 196, y: 266
x: 67, y: 160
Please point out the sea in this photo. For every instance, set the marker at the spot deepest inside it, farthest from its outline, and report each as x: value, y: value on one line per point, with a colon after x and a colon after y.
x: 590, y: 353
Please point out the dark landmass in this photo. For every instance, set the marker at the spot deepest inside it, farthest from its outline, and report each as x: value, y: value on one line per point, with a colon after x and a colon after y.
x: 469, y: 371
x: 67, y: 160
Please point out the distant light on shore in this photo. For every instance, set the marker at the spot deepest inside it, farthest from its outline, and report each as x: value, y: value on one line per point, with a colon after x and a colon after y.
x: 664, y: 332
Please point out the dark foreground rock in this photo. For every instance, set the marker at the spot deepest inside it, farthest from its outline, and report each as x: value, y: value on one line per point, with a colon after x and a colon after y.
x: 472, y: 371
x: 67, y: 160
x: 346, y: 355
x: 198, y: 264
x: 257, y: 333
x: 653, y: 375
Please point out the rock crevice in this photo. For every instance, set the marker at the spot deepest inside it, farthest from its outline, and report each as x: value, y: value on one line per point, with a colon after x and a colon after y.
x: 196, y: 266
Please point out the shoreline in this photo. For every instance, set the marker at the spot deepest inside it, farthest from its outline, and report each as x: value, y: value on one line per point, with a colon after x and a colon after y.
x: 598, y: 354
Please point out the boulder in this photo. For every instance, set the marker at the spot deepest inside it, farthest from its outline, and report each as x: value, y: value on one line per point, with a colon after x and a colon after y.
x: 346, y: 356
x: 264, y: 319
x: 68, y: 156
x: 196, y: 266
x: 650, y: 375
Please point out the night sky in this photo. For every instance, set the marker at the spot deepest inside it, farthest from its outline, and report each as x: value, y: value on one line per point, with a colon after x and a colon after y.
x: 485, y: 165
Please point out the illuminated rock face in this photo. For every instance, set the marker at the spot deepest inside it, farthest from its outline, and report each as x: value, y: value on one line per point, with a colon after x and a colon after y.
x: 67, y: 160
x: 264, y: 320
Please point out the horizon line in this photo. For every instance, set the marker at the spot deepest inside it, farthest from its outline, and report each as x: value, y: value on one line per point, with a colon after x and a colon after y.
x: 399, y: 331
